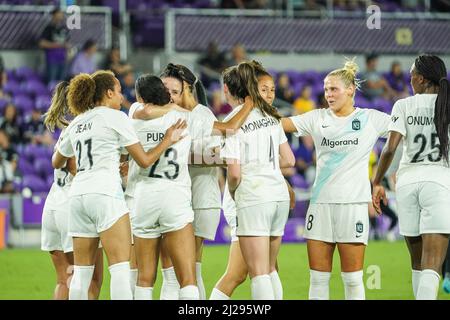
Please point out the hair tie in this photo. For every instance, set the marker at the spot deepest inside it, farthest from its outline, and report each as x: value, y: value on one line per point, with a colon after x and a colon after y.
x: 443, y: 78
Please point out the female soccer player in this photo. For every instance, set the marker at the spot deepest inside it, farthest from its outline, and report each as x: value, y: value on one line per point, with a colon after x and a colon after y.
x: 187, y: 91
x: 169, y: 214
x: 344, y: 136
x: 55, y: 216
x: 97, y: 206
x: 257, y: 185
x: 237, y: 271
x: 130, y: 169
x: 423, y: 179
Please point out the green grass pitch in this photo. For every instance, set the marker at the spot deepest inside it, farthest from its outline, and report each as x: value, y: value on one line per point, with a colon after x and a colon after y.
x: 28, y: 273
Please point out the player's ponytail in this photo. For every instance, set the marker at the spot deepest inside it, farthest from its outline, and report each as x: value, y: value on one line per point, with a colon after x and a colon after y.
x: 249, y: 87
x: 200, y: 91
x: 432, y: 68
x: 80, y: 95
x: 442, y: 117
x: 55, y: 115
x: 348, y: 74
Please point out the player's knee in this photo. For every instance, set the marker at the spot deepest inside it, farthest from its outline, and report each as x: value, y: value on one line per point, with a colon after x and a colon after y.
x: 146, y: 279
x: 238, y: 279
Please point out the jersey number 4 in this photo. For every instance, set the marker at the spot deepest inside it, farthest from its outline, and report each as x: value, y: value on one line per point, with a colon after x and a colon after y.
x: 172, y: 162
x: 79, y: 147
x: 421, y: 138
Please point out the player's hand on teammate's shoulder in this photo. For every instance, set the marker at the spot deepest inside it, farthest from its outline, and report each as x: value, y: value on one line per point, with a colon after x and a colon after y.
x: 176, y: 132
x: 378, y: 194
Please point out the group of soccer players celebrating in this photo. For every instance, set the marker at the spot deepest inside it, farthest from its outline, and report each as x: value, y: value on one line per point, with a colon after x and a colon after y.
x: 165, y: 155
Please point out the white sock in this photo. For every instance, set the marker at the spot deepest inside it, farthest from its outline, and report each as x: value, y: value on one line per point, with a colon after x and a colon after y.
x: 189, y: 293
x: 143, y: 293
x: 170, y: 289
x: 319, y: 285
x: 120, y: 281
x: 133, y: 279
x: 81, y: 280
x: 415, y: 281
x: 354, y: 285
x: 276, y: 285
x: 428, y: 285
x: 262, y: 288
x: 200, y: 285
x: 216, y: 294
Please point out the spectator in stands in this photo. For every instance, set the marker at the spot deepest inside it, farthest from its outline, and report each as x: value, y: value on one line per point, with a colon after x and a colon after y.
x: 304, y: 103
x: 397, y: 82
x: 128, y: 90
x: 8, y: 161
x: 34, y: 130
x: 10, y: 124
x: 283, y: 90
x: 321, y: 101
x: 232, y: 4
x: 374, y: 85
x: 213, y: 63
x: 84, y: 62
x: 305, y: 159
x: 238, y: 55
x: 54, y: 40
x: 115, y: 64
x: 7, y: 151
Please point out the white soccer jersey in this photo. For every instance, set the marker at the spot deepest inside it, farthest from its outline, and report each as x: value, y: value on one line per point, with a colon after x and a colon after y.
x: 62, y: 179
x: 96, y: 138
x: 205, y: 183
x: 256, y: 146
x: 172, y: 166
x: 343, y: 146
x: 413, y: 117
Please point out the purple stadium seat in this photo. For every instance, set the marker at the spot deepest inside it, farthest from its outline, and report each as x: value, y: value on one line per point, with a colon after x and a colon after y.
x: 23, y: 103
x: 43, y: 102
x: 52, y: 85
x: 25, y: 73
x: 3, y: 103
x: 361, y: 102
x: 24, y: 166
x: 299, y: 182
x: 49, y: 181
x: 32, y: 152
x: 35, y: 88
x: 35, y: 183
x: 12, y: 87
x: 43, y: 167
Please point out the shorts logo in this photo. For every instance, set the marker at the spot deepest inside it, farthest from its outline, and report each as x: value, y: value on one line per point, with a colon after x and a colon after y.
x: 359, y: 227
x: 356, y: 124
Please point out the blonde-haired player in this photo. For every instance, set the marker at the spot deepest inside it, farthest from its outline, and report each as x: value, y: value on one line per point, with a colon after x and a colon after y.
x: 344, y: 136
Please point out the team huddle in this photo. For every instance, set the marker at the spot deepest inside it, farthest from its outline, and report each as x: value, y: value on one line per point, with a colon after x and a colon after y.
x: 144, y: 187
